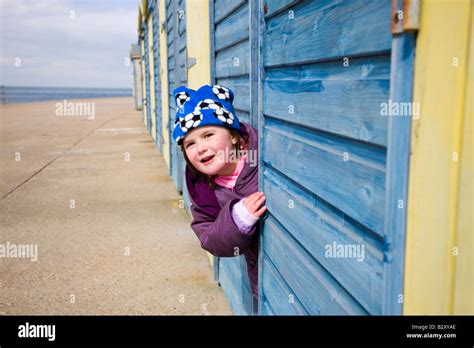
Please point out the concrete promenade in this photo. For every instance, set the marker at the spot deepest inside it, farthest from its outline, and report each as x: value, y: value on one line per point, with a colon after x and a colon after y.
x: 93, y: 197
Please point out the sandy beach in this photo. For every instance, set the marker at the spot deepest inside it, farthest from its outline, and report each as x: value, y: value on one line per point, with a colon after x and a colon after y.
x: 93, y: 195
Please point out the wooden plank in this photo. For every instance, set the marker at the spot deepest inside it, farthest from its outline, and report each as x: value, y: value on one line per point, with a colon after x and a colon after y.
x: 332, y: 97
x: 256, y: 109
x: 322, y: 30
x: 171, y: 61
x: 151, y: 65
x: 164, y: 89
x: 170, y: 21
x: 147, y: 78
x: 317, y: 226
x: 243, y: 116
x: 233, y: 61
x: 398, y: 153
x: 233, y: 298
x: 266, y: 308
x: 182, y: 42
x: 232, y: 273
x: 240, y: 87
x: 229, y: 66
x: 256, y: 64
x: 223, y: 8
x: 157, y: 79
x: 182, y: 21
x: 317, y: 162
x: 276, y: 6
x: 212, y: 39
x: 308, y: 281
x: 144, y: 101
x: 277, y: 293
x: 233, y: 29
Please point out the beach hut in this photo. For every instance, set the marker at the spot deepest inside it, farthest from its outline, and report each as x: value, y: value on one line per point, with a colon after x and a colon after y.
x: 177, y: 76
x: 147, y: 59
x: 231, y: 66
x: 141, y: 43
x: 368, y: 181
x: 154, y: 22
x: 137, y: 76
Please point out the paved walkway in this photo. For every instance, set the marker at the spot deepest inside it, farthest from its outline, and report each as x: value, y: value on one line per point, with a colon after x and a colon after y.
x: 110, y: 234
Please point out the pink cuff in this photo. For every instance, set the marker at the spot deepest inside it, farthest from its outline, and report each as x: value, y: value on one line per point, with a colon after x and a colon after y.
x: 242, y: 218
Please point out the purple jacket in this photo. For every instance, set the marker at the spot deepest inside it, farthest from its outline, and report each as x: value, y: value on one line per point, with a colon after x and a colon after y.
x: 212, y: 213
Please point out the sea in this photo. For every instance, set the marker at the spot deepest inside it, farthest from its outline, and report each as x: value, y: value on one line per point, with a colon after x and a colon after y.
x: 13, y: 95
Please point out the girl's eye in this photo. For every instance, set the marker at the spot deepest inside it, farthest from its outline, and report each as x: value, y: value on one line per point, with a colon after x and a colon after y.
x: 189, y: 144
x: 208, y: 135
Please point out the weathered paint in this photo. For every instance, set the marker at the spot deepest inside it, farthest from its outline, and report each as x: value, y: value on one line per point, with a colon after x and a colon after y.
x: 151, y: 72
x: 324, y: 152
x: 147, y: 103
x: 164, y: 85
x: 440, y: 184
x: 346, y: 166
x: 156, y: 73
x: 144, y: 102
x: 177, y: 76
x: 137, y: 76
x: 230, y: 66
x: 398, y: 149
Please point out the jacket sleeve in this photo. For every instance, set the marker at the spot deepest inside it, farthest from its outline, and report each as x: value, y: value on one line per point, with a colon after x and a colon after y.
x: 220, y: 236
x: 242, y: 218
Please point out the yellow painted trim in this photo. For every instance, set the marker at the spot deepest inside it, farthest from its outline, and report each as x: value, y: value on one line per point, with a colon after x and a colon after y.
x: 198, y: 46
x: 198, y: 42
x: 151, y: 66
x: 164, y: 87
x: 464, y: 276
x: 145, y: 101
x: 434, y: 200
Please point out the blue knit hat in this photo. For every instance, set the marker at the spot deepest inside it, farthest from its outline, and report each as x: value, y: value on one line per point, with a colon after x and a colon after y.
x: 209, y: 105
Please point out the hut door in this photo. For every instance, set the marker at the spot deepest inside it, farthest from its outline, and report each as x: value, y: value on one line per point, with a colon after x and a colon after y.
x: 327, y: 69
x: 230, y: 66
x: 176, y: 39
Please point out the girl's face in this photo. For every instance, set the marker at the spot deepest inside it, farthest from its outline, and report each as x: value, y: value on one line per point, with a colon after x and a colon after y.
x: 208, y: 149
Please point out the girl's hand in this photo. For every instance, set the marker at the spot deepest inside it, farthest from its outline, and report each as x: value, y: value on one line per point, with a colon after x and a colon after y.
x: 253, y: 203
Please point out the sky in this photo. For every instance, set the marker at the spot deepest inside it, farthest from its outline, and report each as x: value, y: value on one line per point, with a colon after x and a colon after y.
x: 67, y: 43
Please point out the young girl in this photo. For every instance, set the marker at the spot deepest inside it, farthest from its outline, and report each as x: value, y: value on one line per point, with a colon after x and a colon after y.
x: 221, y: 180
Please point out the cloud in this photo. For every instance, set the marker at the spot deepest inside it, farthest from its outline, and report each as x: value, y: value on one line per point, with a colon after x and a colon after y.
x: 67, y: 43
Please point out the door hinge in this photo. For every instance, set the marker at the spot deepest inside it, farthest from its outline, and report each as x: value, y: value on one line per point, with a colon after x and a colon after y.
x: 405, y: 16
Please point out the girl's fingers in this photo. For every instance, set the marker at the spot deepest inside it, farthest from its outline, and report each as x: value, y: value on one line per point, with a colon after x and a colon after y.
x: 258, y: 202
x: 261, y: 211
x: 255, y: 196
x: 255, y: 206
x: 252, y: 198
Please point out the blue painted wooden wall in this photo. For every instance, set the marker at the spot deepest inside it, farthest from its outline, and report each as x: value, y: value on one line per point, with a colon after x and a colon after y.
x: 177, y: 76
x: 147, y: 76
x: 326, y: 69
x: 311, y: 76
x: 230, y: 66
x: 157, y: 67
